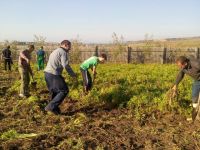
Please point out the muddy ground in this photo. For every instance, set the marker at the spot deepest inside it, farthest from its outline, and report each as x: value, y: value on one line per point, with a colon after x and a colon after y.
x: 92, y: 127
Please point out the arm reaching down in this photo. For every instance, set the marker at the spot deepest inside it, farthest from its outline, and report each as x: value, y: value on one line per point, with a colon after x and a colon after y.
x: 178, y: 80
x: 179, y: 77
x: 94, y: 70
x: 65, y: 64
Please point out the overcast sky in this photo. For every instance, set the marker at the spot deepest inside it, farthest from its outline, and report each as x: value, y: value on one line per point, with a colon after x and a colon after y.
x: 96, y: 20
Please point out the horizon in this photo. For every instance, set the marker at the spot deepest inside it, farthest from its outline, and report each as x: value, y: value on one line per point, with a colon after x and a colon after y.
x: 95, y: 22
x: 170, y: 38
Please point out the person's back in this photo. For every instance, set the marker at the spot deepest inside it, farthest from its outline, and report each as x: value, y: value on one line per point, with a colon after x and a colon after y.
x: 90, y: 62
x: 55, y: 64
x: 192, y: 69
x: 195, y: 63
x: 40, y: 58
x: 6, y: 53
x: 40, y: 54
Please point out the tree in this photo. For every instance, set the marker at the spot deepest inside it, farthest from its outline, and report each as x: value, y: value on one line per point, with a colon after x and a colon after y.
x: 6, y: 43
x: 76, y: 52
x: 148, y: 41
x: 39, y: 40
x: 119, y: 45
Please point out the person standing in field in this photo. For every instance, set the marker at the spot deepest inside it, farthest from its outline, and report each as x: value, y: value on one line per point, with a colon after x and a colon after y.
x: 190, y: 67
x: 58, y: 60
x: 25, y: 70
x: 90, y: 63
x: 40, y: 58
x: 6, y: 55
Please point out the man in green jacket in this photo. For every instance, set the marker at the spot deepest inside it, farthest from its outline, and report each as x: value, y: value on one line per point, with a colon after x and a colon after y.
x: 90, y: 63
x: 40, y: 58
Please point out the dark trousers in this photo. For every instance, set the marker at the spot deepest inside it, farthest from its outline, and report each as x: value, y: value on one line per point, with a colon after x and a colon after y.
x: 58, y: 89
x: 7, y: 62
x: 87, y: 80
x: 195, y: 91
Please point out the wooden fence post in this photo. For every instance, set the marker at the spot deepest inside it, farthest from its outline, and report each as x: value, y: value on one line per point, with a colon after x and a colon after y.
x: 164, y: 61
x: 197, y: 52
x: 129, y: 55
x: 96, y: 51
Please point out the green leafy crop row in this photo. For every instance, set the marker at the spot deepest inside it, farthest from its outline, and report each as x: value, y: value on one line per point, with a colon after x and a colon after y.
x: 141, y: 87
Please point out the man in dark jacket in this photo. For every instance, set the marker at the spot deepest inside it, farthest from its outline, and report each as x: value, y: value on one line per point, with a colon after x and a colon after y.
x: 6, y: 53
x: 190, y: 67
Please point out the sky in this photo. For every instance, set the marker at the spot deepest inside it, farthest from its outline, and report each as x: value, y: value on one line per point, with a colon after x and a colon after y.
x: 96, y: 20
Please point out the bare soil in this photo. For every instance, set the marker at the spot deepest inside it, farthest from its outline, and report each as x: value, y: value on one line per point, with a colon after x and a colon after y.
x: 92, y: 127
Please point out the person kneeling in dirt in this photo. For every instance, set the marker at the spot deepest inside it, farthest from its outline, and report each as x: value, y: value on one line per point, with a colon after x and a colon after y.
x: 25, y: 70
x: 56, y: 84
x: 87, y: 64
x: 192, y: 68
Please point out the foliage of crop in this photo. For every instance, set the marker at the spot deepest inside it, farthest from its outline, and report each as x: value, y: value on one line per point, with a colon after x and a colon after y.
x: 141, y: 87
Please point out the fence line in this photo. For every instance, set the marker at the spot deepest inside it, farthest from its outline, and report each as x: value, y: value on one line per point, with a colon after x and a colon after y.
x: 154, y: 55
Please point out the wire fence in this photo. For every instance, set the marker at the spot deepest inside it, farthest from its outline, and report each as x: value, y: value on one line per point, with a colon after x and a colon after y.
x: 129, y: 55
